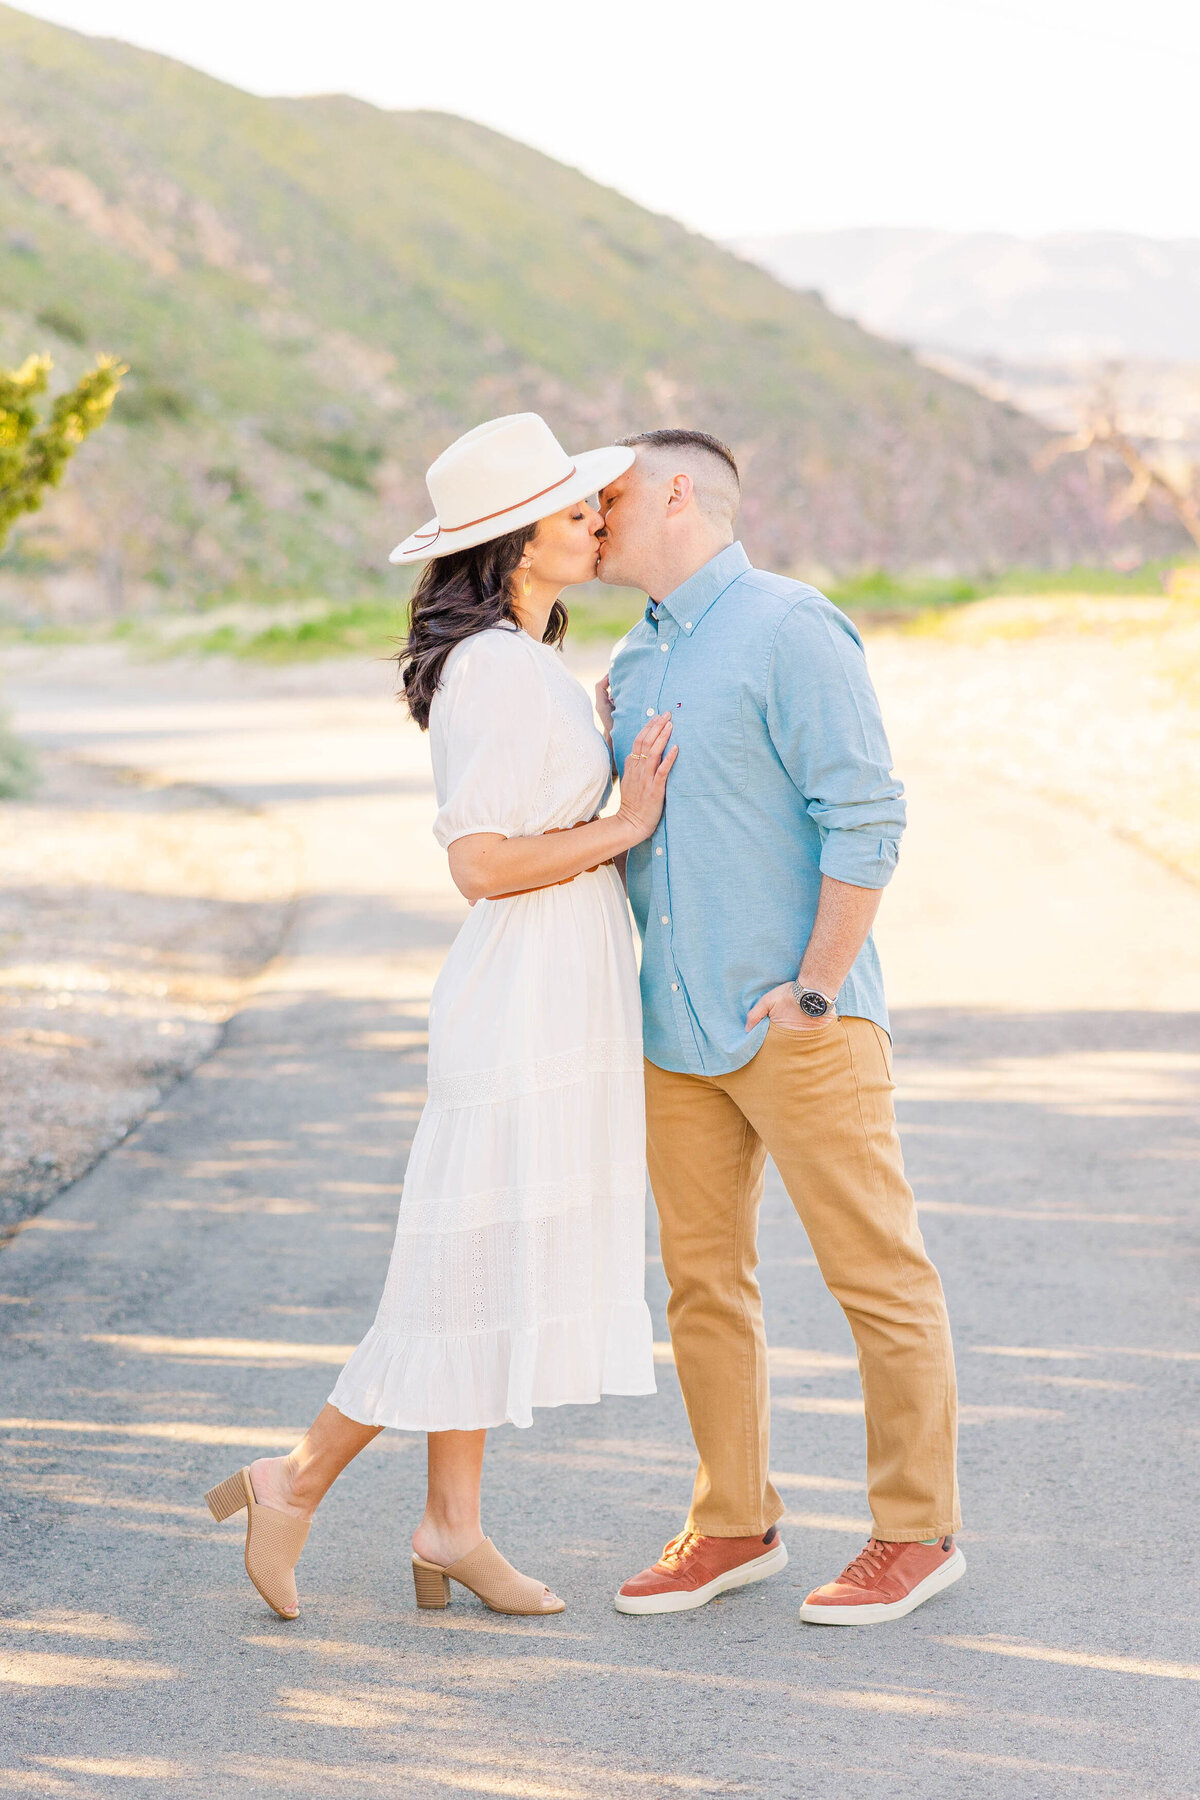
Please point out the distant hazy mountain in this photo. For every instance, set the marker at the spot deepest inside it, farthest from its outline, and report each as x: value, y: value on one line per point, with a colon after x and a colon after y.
x: 1073, y: 296
x: 314, y: 296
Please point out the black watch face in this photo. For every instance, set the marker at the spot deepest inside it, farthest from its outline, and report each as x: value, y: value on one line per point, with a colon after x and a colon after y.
x: 815, y: 1005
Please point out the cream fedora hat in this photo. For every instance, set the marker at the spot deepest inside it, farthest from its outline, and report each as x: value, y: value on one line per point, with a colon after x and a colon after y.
x: 507, y: 473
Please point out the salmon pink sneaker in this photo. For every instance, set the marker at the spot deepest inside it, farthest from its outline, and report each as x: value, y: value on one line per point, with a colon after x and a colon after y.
x: 694, y: 1569
x: 885, y: 1581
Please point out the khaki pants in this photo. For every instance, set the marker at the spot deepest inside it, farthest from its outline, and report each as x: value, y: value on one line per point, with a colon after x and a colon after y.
x: 820, y: 1103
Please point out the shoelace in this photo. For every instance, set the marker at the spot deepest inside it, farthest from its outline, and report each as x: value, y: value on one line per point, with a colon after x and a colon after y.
x: 869, y: 1563
x: 676, y: 1552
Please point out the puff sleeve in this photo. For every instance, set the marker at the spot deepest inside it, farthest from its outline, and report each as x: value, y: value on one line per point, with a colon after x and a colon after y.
x: 489, y: 733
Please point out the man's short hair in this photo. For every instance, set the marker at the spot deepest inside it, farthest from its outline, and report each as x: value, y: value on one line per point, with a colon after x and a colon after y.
x: 677, y: 439
x: 710, y: 463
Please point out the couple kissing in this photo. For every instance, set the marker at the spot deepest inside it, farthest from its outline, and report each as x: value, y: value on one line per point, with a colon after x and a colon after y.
x: 758, y: 824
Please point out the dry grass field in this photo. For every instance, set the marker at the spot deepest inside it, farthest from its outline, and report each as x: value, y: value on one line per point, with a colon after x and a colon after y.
x: 1094, y: 701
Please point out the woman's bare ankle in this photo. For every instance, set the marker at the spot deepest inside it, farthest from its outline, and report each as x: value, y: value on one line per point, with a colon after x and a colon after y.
x: 274, y: 1480
x: 442, y: 1541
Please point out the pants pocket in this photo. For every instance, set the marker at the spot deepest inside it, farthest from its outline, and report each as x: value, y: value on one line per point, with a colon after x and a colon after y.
x: 803, y: 1031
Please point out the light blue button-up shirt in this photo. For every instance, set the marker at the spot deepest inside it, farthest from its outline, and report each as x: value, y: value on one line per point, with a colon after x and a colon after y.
x: 783, y: 775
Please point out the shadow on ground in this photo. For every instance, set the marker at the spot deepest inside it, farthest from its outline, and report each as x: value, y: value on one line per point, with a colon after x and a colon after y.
x: 186, y: 1307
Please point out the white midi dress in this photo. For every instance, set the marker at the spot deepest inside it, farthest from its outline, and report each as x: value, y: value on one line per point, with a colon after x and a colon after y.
x: 517, y: 1276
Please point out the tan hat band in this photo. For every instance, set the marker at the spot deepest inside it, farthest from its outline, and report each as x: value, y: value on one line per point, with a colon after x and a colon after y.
x: 516, y: 505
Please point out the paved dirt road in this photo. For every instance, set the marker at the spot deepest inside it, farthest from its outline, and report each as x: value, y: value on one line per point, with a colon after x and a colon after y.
x: 187, y: 1304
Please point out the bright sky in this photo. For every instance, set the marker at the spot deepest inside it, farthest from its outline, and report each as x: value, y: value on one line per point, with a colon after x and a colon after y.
x: 754, y: 116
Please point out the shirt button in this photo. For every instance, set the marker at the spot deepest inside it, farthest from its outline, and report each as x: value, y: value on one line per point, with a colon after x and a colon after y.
x: 649, y: 712
x: 666, y: 919
x: 658, y: 852
x: 674, y: 987
x: 664, y: 648
x: 688, y: 626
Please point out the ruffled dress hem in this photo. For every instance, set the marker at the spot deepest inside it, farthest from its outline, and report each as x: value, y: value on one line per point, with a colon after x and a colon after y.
x: 491, y: 1378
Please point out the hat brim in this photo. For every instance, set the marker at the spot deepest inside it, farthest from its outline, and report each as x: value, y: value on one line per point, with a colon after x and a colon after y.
x: 593, y: 470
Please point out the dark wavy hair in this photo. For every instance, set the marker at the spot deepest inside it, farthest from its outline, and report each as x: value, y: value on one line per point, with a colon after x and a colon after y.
x: 457, y: 596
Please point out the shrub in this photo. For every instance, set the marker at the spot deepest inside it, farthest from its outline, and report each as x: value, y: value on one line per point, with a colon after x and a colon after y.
x: 33, y: 452
x: 18, y: 769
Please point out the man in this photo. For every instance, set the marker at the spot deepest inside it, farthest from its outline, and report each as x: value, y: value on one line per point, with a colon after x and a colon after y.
x: 766, y: 1032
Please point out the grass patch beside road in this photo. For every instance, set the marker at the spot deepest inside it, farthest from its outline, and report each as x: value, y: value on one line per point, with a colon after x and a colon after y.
x: 372, y: 627
x: 307, y: 630
x: 366, y: 626
x: 18, y: 765
x: 877, y: 594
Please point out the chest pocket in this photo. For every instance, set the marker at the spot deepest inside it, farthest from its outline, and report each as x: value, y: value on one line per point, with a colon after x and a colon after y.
x: 711, y: 736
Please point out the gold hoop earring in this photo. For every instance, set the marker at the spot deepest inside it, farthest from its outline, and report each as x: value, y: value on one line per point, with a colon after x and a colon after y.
x: 526, y: 586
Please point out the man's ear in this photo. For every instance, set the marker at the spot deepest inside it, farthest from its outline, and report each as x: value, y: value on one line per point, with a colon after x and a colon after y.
x: 680, y: 493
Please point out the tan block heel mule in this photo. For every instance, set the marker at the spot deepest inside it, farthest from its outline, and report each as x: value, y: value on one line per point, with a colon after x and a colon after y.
x: 274, y: 1541
x: 489, y: 1577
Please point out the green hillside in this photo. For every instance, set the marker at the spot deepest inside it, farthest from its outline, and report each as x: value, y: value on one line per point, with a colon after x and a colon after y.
x: 314, y: 296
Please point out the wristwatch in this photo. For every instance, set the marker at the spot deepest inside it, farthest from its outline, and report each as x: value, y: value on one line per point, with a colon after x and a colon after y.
x: 811, y: 1001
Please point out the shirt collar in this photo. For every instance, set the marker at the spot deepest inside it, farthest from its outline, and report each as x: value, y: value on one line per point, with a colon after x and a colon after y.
x: 690, y: 601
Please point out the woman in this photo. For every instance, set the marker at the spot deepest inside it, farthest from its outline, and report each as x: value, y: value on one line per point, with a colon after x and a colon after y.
x: 517, y: 1274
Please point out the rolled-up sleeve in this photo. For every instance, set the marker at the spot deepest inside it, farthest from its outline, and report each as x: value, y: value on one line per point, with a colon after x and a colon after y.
x: 824, y: 721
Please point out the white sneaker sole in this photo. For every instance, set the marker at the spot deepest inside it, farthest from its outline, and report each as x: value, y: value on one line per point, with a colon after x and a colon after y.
x: 742, y: 1576
x: 880, y: 1613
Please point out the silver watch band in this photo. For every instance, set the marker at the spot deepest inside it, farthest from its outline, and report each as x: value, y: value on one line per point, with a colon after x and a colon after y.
x: 799, y: 989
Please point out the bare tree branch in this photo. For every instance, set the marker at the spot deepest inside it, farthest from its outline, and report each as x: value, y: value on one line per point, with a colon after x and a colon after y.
x: 1104, y: 431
